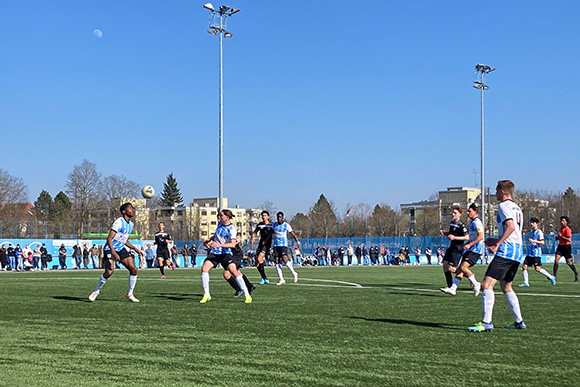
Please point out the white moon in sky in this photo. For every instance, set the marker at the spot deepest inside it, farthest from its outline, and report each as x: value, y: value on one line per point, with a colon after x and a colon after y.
x: 98, y: 33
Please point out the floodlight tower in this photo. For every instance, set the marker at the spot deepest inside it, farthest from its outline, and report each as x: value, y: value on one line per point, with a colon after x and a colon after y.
x: 481, y: 71
x: 217, y: 26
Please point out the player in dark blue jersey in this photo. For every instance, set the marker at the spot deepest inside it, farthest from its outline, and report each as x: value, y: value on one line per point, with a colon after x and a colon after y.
x: 266, y: 230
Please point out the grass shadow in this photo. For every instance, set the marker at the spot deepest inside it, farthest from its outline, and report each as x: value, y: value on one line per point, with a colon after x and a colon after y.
x: 410, y: 322
x: 69, y: 298
x: 178, y: 296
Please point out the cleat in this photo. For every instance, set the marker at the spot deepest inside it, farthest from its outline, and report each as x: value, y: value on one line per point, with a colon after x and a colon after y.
x: 130, y: 297
x: 553, y: 281
x: 524, y: 285
x: 576, y: 278
x: 262, y: 281
x: 476, y: 290
x: 172, y: 266
x: 162, y: 276
x: 296, y: 278
x: 448, y: 291
x: 282, y: 282
x: 93, y: 296
x: 238, y: 293
x: 515, y: 325
x: 248, y: 300
x: 481, y: 327
x: 266, y: 281
x: 206, y: 298
x: 251, y: 289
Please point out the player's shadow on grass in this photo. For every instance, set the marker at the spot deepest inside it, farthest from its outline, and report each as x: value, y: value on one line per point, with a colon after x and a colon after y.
x: 69, y: 298
x: 410, y: 322
x: 178, y: 296
x: 415, y: 294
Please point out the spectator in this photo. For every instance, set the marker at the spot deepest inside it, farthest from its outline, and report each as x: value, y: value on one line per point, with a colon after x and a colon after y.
x: 77, y: 256
x: 387, y: 256
x: 349, y: 254
x: 174, y: 254
x: 95, y: 256
x: 428, y: 255
x: 86, y: 254
x: 44, y: 257
x: 62, y: 257
x: 10, y: 252
x: 365, y: 255
x: 192, y: 254
x: 358, y: 254
x: 185, y: 253
x: 36, y: 257
x: 3, y: 258
x: 19, y: 258
x: 417, y: 255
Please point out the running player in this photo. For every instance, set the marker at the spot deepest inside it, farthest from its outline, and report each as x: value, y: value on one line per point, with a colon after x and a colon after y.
x: 281, y: 230
x: 162, y: 239
x: 221, y: 245
x: 266, y: 232
x: 508, y: 256
x: 534, y: 256
x: 238, y: 255
x: 472, y: 253
x: 457, y: 234
x: 116, y: 250
x: 565, y: 247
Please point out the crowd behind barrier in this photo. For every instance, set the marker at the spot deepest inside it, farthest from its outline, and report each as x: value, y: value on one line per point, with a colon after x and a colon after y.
x: 26, y: 254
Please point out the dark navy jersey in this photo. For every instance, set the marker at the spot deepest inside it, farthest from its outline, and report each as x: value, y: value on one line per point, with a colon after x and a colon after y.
x: 266, y: 232
x: 161, y: 239
x: 457, y: 229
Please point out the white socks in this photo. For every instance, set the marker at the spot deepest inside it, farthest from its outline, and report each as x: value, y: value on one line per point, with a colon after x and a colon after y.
x: 242, y: 284
x: 279, y: 270
x: 100, y: 284
x: 545, y: 273
x: 205, y: 282
x: 488, y: 299
x: 514, y: 304
x: 132, y: 282
x: 525, y: 274
x: 290, y: 266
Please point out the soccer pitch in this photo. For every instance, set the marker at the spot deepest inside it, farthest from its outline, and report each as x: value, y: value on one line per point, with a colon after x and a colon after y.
x: 339, y: 326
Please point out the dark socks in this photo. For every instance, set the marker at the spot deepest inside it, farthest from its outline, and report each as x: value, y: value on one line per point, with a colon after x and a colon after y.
x: 162, y: 269
x: 247, y: 281
x: 555, y: 269
x: 261, y: 270
x: 573, y: 267
x: 233, y: 283
x: 449, y: 278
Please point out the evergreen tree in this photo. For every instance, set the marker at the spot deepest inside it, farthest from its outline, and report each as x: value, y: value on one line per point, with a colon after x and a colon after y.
x: 323, y: 217
x: 171, y: 195
x: 301, y: 225
x: 44, y: 203
x: 61, y: 208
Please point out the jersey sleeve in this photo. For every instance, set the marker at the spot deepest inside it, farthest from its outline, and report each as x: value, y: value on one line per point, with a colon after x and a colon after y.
x: 540, y: 235
x: 117, y: 224
x: 288, y: 228
x: 233, y: 234
x: 504, y: 213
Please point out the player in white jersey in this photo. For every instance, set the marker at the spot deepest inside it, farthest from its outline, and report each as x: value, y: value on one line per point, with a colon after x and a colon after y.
x: 508, y: 256
x: 471, y: 253
x: 281, y: 230
x: 116, y: 251
x: 534, y: 257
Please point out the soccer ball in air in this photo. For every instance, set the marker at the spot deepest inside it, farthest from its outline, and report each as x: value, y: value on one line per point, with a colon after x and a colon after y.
x: 148, y: 192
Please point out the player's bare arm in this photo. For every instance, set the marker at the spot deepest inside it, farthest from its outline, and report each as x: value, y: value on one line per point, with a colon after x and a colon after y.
x: 509, y: 228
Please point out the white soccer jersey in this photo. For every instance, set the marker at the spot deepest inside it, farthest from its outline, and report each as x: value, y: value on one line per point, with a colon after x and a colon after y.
x: 123, y: 230
x: 535, y: 250
x: 512, y: 247
x: 281, y: 231
x: 475, y: 227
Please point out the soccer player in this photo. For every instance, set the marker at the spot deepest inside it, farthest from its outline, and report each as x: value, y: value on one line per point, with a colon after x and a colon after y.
x: 457, y: 234
x: 565, y: 247
x: 536, y: 240
x: 472, y: 253
x: 509, y: 254
x: 238, y: 255
x: 281, y: 230
x: 266, y: 232
x: 162, y: 239
x: 221, y: 245
x: 115, y: 250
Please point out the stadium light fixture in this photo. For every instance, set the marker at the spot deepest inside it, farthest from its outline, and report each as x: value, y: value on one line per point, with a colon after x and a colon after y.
x: 481, y: 71
x: 217, y: 25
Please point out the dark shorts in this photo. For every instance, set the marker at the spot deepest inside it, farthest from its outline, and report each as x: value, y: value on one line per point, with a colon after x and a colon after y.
x: 163, y: 252
x: 533, y: 261
x: 564, y: 251
x: 264, y: 247
x: 279, y: 251
x: 223, y: 259
x: 471, y: 257
x: 502, y: 269
x: 453, y: 256
x: 237, y: 258
x: 108, y: 257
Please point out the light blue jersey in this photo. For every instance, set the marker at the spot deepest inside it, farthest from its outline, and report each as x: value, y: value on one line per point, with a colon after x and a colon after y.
x: 281, y: 231
x: 475, y: 227
x: 512, y: 247
x: 122, y: 229
x: 224, y: 234
x: 535, y: 250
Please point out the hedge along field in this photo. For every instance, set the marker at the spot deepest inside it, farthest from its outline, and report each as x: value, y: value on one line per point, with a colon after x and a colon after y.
x: 339, y: 326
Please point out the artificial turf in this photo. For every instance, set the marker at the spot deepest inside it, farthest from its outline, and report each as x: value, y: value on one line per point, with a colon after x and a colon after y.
x: 397, y: 329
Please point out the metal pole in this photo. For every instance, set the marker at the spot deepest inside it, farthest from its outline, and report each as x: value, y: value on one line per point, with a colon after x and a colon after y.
x: 482, y: 194
x: 221, y: 129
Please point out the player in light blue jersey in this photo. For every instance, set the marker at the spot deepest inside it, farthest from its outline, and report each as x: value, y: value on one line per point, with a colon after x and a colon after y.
x: 508, y: 256
x: 221, y: 243
x: 281, y: 230
x: 534, y: 257
x: 471, y: 253
x: 116, y: 251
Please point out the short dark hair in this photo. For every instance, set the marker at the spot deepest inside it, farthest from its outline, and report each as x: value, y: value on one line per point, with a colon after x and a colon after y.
x: 280, y: 213
x: 124, y: 206
x: 228, y: 213
x: 474, y: 207
x: 458, y: 209
x: 565, y: 218
x: 507, y: 186
x: 265, y: 212
x: 534, y: 220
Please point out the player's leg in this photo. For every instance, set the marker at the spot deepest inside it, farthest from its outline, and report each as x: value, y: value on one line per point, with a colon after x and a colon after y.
x: 109, y: 266
x: 205, y: 268
x: 525, y: 274
x: 556, y: 262
x: 240, y: 281
x: 570, y: 263
x: 260, y: 266
x: 514, y: 305
x: 290, y: 266
x: 161, y: 263
x: 129, y: 263
x: 538, y: 267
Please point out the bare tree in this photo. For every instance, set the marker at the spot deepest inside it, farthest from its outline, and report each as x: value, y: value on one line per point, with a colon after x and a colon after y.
x: 84, y: 186
x: 12, y: 189
x: 118, y: 187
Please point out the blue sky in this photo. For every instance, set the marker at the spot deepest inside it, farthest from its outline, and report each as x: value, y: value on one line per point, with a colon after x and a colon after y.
x: 369, y: 102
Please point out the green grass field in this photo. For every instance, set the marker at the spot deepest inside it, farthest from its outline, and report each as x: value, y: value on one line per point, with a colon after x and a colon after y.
x: 395, y: 330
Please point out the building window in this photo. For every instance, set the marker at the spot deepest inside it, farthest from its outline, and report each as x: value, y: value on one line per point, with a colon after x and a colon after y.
x: 213, y: 212
x: 204, y: 212
x: 204, y: 233
x: 213, y: 223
